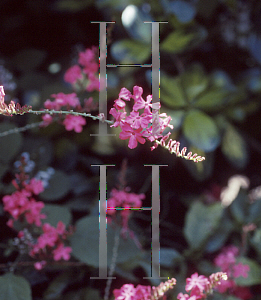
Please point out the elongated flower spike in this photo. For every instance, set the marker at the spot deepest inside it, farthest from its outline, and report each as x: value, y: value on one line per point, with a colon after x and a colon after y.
x: 13, y: 108
x: 173, y: 147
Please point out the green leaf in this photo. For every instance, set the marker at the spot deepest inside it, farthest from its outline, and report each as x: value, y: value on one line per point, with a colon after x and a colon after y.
x: 171, y: 92
x: 177, y: 41
x: 201, y: 131
x: 169, y: 257
x: 254, y: 275
x: 181, y: 39
x: 56, y: 213
x: 254, y: 210
x: 256, y: 240
x: 59, y: 186
x: 10, y: 144
x: 14, y: 287
x: 130, y: 52
x: 239, y: 207
x: 201, y: 222
x: 220, y: 236
x: 234, y: 147
x: 194, y: 82
x: 85, y: 243
x: 200, y: 171
x: 3, y: 169
x: 212, y: 100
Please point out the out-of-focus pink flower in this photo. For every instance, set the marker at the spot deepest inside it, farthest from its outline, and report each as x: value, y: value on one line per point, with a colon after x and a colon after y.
x: 196, y: 281
x: 134, y: 136
x: 240, y: 270
x: 40, y: 265
x: 74, y: 123
x: 35, y: 186
x: 73, y: 74
x: 62, y: 252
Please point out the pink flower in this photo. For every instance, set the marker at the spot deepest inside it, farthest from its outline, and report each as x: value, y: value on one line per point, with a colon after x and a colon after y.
x: 33, y: 212
x: 243, y: 292
x: 119, y: 117
x: 47, y: 120
x: 182, y: 296
x: 40, y: 265
x: 73, y: 74
x: 240, y: 270
x: 127, y: 292
x: 196, y: 281
x: 62, y: 99
x: 135, y: 136
x: 91, y: 68
x: 125, y: 94
x: 62, y: 252
x: 87, y: 56
x: 94, y: 83
x: 35, y: 186
x: 136, y: 121
x: 74, y: 123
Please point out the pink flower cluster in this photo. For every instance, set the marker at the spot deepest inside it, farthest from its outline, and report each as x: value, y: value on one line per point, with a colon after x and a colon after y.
x: 129, y: 292
x: 22, y: 206
x: 21, y: 203
x: 13, y: 108
x: 135, y: 127
x: 126, y: 201
x: 200, y: 286
x: 68, y: 101
x: 50, y: 243
x: 86, y: 68
x: 226, y: 260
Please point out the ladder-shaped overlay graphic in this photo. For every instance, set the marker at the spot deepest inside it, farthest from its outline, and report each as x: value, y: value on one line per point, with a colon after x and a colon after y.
x: 155, y: 208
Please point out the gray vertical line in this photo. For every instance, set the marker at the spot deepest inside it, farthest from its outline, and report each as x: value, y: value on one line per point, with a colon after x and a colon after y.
x: 103, y: 79
x: 102, y: 225
x: 155, y: 231
x: 113, y: 264
x: 155, y: 73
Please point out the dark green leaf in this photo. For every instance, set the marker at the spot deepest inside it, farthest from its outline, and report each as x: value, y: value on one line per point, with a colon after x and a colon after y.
x: 177, y: 41
x: 239, y: 207
x: 56, y: 213
x: 169, y: 257
x: 212, y: 100
x: 201, y: 222
x: 256, y: 241
x: 85, y: 243
x: 220, y: 236
x: 254, y: 275
x: 234, y: 147
x: 194, y: 82
x: 10, y: 144
x: 200, y: 171
x: 201, y: 131
x: 171, y: 92
x: 59, y: 186
x: 130, y: 52
x: 14, y: 287
x: 181, y: 40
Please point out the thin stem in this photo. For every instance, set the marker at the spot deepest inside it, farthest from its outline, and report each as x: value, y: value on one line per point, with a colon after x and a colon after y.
x: 20, y: 129
x: 70, y: 112
x: 113, y: 264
